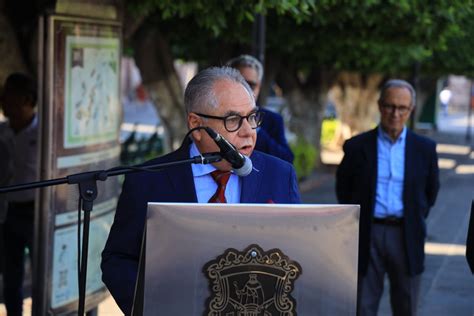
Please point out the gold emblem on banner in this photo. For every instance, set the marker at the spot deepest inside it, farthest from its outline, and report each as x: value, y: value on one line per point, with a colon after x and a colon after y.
x: 251, y: 283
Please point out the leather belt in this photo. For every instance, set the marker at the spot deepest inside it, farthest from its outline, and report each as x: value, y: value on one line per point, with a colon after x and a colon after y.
x: 390, y: 220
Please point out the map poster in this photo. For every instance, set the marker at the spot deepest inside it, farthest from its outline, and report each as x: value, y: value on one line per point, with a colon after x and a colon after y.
x: 91, y: 90
x: 80, y: 121
x: 85, y: 93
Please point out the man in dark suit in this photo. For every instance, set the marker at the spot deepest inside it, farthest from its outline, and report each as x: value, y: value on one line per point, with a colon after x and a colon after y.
x: 393, y: 174
x: 221, y: 99
x: 271, y: 135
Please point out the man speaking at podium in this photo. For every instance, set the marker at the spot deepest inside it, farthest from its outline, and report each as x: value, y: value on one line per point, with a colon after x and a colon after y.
x: 216, y: 98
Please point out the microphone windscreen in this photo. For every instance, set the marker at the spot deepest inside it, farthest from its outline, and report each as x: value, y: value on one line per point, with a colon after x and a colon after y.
x: 246, y: 169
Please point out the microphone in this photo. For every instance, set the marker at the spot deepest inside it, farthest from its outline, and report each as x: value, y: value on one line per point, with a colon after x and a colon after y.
x: 241, y: 164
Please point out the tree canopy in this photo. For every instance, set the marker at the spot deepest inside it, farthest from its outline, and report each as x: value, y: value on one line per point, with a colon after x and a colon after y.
x: 368, y: 36
x: 314, y: 45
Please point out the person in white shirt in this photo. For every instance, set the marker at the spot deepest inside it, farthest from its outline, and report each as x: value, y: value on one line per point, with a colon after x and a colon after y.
x: 18, y: 138
x: 445, y: 96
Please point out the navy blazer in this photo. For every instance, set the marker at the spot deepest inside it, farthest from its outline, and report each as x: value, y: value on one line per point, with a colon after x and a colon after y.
x: 356, y: 182
x: 271, y: 136
x: 272, y: 180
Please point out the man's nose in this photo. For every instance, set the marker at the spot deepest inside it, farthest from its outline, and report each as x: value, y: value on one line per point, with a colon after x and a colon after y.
x: 395, y: 112
x: 245, y: 129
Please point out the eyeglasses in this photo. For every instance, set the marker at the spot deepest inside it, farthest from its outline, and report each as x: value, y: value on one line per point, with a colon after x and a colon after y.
x: 234, y: 121
x: 251, y: 84
x: 390, y: 108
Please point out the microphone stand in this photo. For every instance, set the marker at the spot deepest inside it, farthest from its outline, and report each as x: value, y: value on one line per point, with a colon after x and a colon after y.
x: 87, y: 184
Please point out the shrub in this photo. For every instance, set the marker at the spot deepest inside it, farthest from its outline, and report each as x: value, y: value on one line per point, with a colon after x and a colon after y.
x: 305, y: 157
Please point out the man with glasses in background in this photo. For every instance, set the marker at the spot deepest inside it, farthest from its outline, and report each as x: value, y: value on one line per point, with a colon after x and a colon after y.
x: 392, y: 173
x: 271, y: 135
x: 218, y: 98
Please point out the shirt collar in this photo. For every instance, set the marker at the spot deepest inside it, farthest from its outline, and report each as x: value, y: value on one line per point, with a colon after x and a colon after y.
x: 383, y: 135
x: 33, y: 124
x: 199, y: 169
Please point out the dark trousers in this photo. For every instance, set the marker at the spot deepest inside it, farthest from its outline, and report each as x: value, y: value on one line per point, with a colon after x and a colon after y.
x: 17, y: 235
x: 388, y: 257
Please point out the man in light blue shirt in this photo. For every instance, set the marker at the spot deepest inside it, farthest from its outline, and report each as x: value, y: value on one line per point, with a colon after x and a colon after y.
x: 392, y: 173
x: 390, y: 170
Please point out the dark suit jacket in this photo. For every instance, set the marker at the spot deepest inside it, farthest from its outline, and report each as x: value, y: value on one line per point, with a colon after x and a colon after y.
x: 271, y: 137
x: 356, y: 182
x: 470, y: 240
x: 274, y: 181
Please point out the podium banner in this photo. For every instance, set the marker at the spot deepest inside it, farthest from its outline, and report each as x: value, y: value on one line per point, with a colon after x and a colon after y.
x: 251, y: 259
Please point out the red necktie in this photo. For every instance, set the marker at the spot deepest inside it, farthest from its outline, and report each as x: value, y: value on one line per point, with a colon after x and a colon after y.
x: 221, y: 178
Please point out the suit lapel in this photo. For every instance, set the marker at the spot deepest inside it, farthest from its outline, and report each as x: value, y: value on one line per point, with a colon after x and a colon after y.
x: 181, y: 177
x: 251, y: 183
x: 410, y: 170
x: 370, y: 152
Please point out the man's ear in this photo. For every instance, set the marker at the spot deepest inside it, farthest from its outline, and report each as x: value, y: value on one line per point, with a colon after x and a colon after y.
x: 193, y: 122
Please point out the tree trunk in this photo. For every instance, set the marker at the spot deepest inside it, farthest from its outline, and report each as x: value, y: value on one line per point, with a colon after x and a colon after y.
x: 155, y: 61
x: 355, y: 97
x: 307, y: 98
x: 272, y: 66
x: 307, y: 111
x: 426, y: 88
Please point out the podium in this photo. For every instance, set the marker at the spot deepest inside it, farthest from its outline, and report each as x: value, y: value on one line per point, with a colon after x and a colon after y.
x: 248, y: 260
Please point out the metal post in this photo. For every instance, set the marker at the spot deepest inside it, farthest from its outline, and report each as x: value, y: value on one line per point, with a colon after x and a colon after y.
x: 415, y: 83
x: 258, y: 47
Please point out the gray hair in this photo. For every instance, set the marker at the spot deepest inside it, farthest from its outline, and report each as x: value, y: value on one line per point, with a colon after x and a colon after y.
x: 199, y: 92
x: 247, y: 61
x: 398, y: 83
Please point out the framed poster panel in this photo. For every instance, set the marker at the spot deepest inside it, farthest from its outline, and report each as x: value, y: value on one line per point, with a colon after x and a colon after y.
x: 81, y: 114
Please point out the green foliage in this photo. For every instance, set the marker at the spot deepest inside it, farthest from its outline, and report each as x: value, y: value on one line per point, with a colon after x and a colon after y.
x: 198, y: 30
x: 217, y: 16
x: 320, y: 38
x: 305, y: 157
x: 366, y: 36
x: 127, y: 51
x: 455, y: 55
x: 370, y: 36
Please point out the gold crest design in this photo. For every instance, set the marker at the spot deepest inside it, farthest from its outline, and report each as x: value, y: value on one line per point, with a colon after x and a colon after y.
x: 251, y: 283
